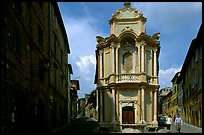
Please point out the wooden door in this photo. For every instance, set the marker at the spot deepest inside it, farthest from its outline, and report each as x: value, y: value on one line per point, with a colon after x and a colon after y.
x: 128, y: 115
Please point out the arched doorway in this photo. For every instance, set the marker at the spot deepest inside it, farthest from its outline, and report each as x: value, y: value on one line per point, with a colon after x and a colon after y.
x: 128, y: 116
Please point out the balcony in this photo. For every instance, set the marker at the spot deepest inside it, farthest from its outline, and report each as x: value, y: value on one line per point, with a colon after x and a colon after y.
x: 128, y: 78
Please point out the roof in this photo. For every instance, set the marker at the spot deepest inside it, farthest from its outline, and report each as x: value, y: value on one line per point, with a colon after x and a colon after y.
x: 61, y: 24
x: 196, y: 42
x: 175, y: 76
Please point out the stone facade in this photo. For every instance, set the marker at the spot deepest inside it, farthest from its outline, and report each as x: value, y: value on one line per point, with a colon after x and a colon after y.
x: 127, y: 72
x: 34, y: 67
x: 190, y: 83
x: 174, y: 105
x: 74, y: 97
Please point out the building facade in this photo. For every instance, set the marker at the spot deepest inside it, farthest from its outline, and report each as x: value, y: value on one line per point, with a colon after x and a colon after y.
x: 34, y: 67
x: 127, y: 72
x: 74, y: 97
x: 165, y: 100
x: 174, y: 98
x: 190, y: 82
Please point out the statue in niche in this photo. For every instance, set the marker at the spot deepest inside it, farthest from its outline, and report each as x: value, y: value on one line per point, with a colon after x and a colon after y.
x: 127, y: 61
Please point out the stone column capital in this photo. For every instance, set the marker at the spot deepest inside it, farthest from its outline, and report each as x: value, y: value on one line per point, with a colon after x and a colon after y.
x: 143, y: 43
x: 155, y: 90
x: 155, y: 50
x: 143, y: 87
x: 113, y: 45
x: 100, y: 51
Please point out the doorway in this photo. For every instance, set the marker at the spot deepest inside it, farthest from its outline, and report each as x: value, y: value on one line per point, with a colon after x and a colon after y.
x: 128, y: 116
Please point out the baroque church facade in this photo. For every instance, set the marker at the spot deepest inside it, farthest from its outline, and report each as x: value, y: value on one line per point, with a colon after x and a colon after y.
x: 127, y: 73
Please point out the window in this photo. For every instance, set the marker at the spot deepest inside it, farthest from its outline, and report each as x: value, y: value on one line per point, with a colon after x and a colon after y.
x: 192, y: 61
x: 53, y: 14
x: 55, y: 44
x: 62, y: 82
x: 127, y: 62
x: 17, y: 42
x: 61, y: 57
x: 200, y: 52
x: 41, y: 5
x: 40, y: 37
x: 41, y: 70
x: 55, y: 75
x: 196, y: 55
x: 200, y: 81
x: 18, y: 7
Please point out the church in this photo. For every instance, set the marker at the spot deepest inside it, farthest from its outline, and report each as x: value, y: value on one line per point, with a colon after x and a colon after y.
x: 127, y: 73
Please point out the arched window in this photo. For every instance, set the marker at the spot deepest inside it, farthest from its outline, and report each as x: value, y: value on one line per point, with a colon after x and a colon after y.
x: 127, y: 61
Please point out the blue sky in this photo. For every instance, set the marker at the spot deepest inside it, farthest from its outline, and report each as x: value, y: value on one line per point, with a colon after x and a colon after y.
x: 177, y: 22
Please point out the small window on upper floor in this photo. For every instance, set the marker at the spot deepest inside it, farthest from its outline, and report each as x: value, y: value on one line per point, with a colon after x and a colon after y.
x: 40, y: 37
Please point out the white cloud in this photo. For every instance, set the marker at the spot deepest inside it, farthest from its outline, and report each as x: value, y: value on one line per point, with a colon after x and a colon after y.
x: 82, y: 32
x: 85, y: 62
x: 165, y: 76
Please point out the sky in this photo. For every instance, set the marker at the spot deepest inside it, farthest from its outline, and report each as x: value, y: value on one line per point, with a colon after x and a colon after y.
x: 177, y: 22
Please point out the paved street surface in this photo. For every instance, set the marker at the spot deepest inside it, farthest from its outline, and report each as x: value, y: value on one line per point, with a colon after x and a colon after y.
x: 185, y: 128
x: 82, y: 125
x: 90, y: 125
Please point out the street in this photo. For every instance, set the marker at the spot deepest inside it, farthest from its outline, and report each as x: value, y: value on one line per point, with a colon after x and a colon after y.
x: 185, y: 128
x: 90, y: 125
x: 82, y: 125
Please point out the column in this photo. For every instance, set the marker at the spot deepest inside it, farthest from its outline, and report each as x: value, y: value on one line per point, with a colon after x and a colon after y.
x: 134, y: 61
x: 101, y: 63
x: 120, y: 110
x: 142, y: 56
x: 116, y: 58
x: 113, y: 58
x: 155, y: 62
x: 135, y: 103
x: 101, y: 106
x: 113, y: 105
x: 97, y: 103
x: 142, y: 103
x: 155, y: 106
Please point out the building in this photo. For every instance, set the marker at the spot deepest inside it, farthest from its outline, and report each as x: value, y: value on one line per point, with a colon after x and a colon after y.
x: 190, y: 82
x: 70, y: 71
x: 127, y: 72
x: 81, y: 106
x: 174, y: 107
x: 74, y: 97
x: 90, y: 106
x: 164, y: 98
x: 35, y: 70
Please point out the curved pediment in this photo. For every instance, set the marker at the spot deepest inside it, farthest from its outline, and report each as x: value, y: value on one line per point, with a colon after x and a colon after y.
x: 112, y: 38
x: 127, y: 12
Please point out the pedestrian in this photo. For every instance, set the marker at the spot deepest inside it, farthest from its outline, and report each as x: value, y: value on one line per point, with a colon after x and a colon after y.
x: 178, y: 122
x: 168, y: 123
x: 174, y: 117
